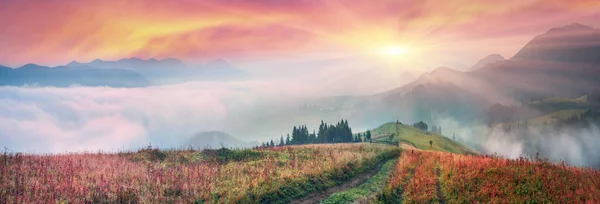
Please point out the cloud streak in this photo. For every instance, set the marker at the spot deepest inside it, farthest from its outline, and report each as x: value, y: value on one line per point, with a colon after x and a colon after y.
x: 58, y: 31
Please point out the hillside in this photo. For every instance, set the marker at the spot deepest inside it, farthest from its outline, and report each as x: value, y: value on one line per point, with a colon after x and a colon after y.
x: 420, y: 139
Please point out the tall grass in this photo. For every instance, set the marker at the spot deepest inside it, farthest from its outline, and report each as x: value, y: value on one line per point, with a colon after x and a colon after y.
x: 489, y: 179
x: 154, y: 176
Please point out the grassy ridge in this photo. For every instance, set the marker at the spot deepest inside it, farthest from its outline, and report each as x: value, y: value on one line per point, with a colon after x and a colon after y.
x: 420, y: 139
x: 374, y: 185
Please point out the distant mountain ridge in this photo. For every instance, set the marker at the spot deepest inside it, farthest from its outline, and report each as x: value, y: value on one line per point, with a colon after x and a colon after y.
x: 62, y: 76
x: 574, y: 43
x: 171, y: 70
x: 128, y: 72
x: 216, y: 139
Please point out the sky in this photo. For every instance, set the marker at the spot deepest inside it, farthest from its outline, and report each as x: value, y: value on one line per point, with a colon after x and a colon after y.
x: 294, y: 50
x: 403, y: 32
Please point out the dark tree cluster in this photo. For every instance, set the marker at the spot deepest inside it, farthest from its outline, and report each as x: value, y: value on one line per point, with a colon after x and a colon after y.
x: 327, y: 133
x: 360, y: 137
x: 341, y: 132
x: 421, y: 125
x: 300, y: 135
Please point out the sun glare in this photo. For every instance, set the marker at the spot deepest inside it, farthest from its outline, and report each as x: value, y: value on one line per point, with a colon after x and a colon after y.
x: 394, y: 51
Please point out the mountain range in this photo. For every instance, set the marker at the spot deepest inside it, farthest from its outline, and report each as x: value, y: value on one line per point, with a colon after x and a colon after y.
x: 130, y: 72
x: 535, y: 72
x: 563, y: 62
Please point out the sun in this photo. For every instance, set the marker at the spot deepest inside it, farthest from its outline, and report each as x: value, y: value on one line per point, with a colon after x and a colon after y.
x: 394, y: 51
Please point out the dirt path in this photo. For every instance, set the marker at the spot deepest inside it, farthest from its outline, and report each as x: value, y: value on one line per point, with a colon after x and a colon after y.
x: 353, y: 182
x: 438, y: 187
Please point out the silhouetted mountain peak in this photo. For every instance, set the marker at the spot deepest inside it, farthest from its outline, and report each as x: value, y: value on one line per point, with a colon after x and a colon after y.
x: 74, y: 64
x: 570, y: 28
x: 97, y: 61
x: 490, y: 59
x: 31, y: 66
x: 573, y: 43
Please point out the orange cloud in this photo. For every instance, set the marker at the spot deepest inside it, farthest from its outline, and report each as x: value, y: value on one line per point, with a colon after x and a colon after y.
x: 57, y: 31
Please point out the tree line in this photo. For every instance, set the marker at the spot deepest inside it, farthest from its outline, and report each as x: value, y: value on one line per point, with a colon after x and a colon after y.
x: 327, y: 133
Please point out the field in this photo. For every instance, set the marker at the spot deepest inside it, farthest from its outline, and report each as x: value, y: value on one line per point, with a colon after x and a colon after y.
x: 359, y: 172
x: 420, y: 139
x: 427, y: 176
x: 272, y: 175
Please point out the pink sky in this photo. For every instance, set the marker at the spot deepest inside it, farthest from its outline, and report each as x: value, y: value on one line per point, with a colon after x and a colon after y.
x: 55, y: 32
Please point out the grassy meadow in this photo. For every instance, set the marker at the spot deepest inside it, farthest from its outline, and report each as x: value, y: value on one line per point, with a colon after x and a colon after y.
x: 420, y: 139
x: 266, y: 175
x: 431, y: 176
x: 413, y: 171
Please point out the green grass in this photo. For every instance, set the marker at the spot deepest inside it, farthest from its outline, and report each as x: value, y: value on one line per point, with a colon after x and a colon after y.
x: 420, y: 139
x: 374, y: 185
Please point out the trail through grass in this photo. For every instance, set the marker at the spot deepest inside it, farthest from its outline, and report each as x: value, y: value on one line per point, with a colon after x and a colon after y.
x: 366, y: 191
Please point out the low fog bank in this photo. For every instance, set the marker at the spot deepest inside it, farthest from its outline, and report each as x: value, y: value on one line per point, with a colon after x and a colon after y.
x: 580, y: 147
x: 48, y: 119
x: 574, y: 146
x: 78, y: 118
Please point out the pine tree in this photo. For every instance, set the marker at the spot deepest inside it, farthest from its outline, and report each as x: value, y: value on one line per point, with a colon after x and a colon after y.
x: 321, y: 134
x: 272, y: 144
x: 368, y: 137
x: 295, y: 135
x: 287, y: 140
x: 281, y: 141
